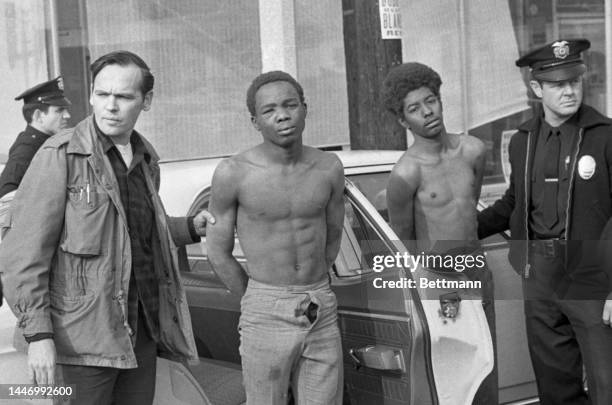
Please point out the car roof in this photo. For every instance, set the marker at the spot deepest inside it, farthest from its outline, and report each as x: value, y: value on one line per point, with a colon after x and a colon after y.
x: 183, y: 180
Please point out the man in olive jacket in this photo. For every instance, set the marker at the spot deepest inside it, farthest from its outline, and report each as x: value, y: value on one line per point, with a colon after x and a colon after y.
x: 90, y: 262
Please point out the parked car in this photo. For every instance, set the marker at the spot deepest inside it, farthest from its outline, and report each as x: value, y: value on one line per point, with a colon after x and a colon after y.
x: 399, y: 346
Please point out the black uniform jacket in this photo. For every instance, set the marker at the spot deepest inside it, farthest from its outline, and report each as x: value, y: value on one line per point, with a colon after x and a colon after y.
x: 20, y: 156
x: 589, y: 205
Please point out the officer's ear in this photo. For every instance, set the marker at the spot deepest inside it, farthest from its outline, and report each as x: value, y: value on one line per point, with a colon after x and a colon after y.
x: 148, y: 99
x: 37, y: 115
x: 536, y: 87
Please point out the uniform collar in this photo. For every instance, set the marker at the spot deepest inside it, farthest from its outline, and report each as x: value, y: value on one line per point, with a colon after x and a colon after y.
x: 567, y: 129
x: 30, y: 130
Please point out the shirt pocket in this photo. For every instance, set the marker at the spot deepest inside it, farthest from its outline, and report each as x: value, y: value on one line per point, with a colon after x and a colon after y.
x: 87, y: 210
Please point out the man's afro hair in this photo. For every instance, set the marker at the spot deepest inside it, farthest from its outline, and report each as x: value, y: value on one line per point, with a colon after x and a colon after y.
x: 403, y: 79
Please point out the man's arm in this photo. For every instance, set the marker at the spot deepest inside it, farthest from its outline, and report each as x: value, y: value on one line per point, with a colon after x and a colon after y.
x: 200, y: 220
x: 188, y: 230
x: 478, y: 158
x: 496, y: 218
x: 220, y: 234
x: 401, y: 192
x: 334, y: 213
x: 606, y: 250
x: 607, y: 311
x: 37, y: 222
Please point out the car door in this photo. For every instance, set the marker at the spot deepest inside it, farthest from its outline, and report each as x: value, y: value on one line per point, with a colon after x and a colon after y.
x: 400, y: 345
x: 384, y: 331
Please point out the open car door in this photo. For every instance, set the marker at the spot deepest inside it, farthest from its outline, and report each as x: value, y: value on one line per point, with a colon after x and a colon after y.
x: 401, y: 344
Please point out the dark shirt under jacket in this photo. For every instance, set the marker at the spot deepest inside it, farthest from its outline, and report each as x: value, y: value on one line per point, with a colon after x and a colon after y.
x: 20, y: 156
x: 568, y: 136
x: 138, y: 208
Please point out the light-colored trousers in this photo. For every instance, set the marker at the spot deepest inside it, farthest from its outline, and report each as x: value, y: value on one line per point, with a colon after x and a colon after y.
x: 289, y: 336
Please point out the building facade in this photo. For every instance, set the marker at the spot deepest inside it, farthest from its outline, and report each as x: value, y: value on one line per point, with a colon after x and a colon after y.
x: 204, y: 54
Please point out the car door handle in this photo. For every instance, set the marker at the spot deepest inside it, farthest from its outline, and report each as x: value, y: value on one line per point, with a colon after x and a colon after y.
x: 379, y: 357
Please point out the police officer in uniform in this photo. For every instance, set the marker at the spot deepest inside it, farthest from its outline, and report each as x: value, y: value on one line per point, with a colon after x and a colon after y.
x: 556, y: 207
x: 45, y: 110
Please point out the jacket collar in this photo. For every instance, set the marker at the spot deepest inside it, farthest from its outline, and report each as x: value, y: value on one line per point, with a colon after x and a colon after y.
x: 586, y: 117
x: 30, y: 130
x: 82, y: 142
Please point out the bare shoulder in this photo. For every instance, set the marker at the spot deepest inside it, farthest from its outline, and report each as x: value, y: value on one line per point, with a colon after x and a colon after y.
x: 321, y: 157
x: 246, y: 161
x: 229, y: 170
x: 322, y: 160
x: 407, y: 168
x: 472, y: 147
x: 405, y: 179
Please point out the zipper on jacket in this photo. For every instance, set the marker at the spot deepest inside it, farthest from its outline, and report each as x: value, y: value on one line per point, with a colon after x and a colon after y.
x: 126, y: 324
x: 571, y: 186
x: 527, y: 182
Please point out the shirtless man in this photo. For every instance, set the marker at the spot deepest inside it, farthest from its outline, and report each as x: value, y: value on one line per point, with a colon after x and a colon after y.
x: 434, y: 187
x: 285, y: 201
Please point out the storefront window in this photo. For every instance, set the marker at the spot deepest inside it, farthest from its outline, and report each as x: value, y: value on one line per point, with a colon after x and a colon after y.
x: 203, y: 54
x: 321, y: 71
x: 23, y: 61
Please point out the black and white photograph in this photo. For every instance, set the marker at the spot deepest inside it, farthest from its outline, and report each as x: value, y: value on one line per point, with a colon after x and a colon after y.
x: 306, y: 202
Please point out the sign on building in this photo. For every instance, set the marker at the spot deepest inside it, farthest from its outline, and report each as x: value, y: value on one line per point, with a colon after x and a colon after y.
x: 390, y: 19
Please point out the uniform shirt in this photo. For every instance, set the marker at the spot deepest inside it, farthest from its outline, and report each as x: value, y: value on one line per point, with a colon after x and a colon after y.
x: 20, y: 156
x: 140, y: 214
x: 568, y: 138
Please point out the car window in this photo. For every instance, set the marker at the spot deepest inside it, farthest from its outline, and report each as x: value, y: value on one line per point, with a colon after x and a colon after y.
x: 374, y: 188
x: 360, y: 243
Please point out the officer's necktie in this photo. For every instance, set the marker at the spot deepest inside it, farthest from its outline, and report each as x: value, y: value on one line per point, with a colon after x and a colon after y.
x: 551, y: 178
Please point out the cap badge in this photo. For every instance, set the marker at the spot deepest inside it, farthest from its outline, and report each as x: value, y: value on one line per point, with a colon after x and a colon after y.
x: 561, y: 49
x: 586, y: 167
x: 60, y: 84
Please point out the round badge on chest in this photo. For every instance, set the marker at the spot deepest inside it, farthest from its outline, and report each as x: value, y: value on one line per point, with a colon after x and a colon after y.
x: 586, y: 167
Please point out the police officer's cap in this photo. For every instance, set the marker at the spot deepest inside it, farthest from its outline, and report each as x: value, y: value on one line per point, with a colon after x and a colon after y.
x: 557, y: 61
x: 51, y: 92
